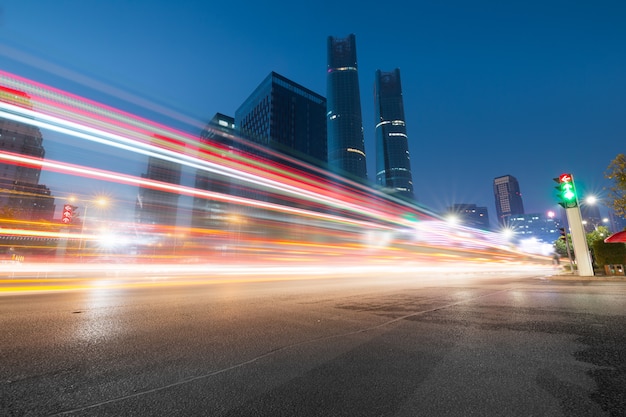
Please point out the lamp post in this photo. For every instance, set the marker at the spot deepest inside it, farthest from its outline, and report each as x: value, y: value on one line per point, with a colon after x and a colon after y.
x: 99, y: 202
x: 591, y: 213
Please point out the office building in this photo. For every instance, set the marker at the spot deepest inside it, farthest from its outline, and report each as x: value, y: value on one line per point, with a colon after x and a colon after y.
x: 393, y: 163
x: 471, y: 215
x: 158, y: 207
x: 346, y: 147
x: 540, y: 227
x: 21, y: 195
x: 215, y: 213
x: 591, y: 217
x: 508, y: 198
x: 285, y: 117
x: 615, y: 223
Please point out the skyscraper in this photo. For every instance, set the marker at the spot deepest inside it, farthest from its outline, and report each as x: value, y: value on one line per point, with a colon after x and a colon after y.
x: 508, y: 198
x: 285, y: 117
x: 393, y: 163
x: 346, y: 147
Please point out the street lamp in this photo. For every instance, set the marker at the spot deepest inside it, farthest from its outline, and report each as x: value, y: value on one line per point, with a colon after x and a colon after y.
x: 591, y: 213
x: 98, y: 202
x: 453, y: 219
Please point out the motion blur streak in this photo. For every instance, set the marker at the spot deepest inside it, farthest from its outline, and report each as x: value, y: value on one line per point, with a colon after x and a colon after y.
x: 207, y: 207
x: 153, y: 151
x: 126, y: 179
x: 50, y: 278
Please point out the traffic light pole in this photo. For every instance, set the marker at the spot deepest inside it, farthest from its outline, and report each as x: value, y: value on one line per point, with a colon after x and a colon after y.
x: 569, y: 252
x: 579, y: 241
x: 569, y: 201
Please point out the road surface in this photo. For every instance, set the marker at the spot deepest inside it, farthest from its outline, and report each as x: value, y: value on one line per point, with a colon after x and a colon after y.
x: 480, y: 344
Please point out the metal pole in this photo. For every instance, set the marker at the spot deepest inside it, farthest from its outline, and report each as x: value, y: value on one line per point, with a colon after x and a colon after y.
x: 82, y: 230
x: 579, y: 241
x: 569, y: 253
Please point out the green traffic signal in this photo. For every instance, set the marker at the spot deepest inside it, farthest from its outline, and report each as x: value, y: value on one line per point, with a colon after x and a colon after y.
x: 567, y: 191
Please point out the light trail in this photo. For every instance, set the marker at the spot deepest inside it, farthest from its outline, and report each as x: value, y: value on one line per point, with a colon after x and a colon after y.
x: 298, y: 216
x: 83, y: 132
x: 51, y: 100
x: 132, y: 180
x: 46, y: 278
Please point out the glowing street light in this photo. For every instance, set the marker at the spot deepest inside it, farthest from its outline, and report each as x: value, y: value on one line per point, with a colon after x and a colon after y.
x: 453, y: 220
x: 98, y: 202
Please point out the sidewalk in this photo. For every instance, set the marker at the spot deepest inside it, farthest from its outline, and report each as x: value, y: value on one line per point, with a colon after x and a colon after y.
x: 568, y: 276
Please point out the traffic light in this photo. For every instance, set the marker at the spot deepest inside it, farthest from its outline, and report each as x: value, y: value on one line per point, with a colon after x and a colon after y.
x: 563, y: 234
x: 68, y: 211
x: 567, y: 191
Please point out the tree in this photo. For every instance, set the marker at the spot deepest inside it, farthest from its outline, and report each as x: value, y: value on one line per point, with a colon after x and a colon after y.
x: 560, y: 248
x: 599, y: 233
x: 616, y: 171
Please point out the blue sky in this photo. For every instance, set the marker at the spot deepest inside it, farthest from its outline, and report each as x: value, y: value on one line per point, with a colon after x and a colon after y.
x: 527, y: 88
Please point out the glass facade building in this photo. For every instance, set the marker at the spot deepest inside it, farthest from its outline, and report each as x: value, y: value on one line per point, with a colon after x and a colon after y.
x: 285, y: 117
x: 508, y: 198
x: 346, y: 147
x: 393, y: 163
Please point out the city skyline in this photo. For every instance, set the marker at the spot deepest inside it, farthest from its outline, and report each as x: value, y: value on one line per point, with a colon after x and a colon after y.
x: 530, y: 91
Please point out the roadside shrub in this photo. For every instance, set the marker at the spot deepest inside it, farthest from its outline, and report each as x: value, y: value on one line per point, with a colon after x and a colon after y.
x: 609, y: 253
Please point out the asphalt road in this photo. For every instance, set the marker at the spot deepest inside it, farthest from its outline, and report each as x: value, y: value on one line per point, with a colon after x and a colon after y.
x: 385, y: 346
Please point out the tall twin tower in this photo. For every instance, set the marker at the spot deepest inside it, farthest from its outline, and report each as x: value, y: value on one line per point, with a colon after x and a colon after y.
x: 346, y: 147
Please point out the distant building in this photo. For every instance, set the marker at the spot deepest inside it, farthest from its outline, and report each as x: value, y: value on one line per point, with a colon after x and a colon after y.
x: 21, y: 195
x: 471, y: 216
x: 591, y: 216
x: 285, y: 117
x: 215, y: 213
x: 537, y: 226
x: 393, y: 163
x: 616, y: 223
x: 158, y: 207
x: 346, y: 146
x: 508, y: 198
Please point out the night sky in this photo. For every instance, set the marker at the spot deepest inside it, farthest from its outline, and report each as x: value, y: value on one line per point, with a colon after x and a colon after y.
x: 527, y: 88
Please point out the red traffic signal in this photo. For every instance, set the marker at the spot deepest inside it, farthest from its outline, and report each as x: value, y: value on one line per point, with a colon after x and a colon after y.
x: 565, y: 178
x: 68, y: 211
